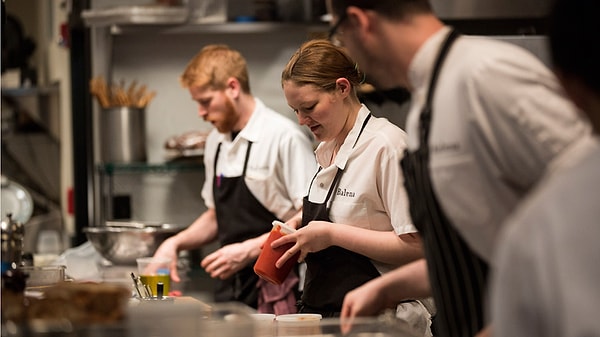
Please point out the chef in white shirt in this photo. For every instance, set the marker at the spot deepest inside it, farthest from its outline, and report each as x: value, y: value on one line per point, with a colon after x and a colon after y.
x: 355, y: 223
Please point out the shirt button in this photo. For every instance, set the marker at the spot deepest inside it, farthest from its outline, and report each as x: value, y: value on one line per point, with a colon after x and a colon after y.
x: 322, y: 185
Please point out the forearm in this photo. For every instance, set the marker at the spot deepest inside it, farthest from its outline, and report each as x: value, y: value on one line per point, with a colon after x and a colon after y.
x: 202, y: 231
x: 253, y: 246
x: 382, y: 246
x: 405, y: 283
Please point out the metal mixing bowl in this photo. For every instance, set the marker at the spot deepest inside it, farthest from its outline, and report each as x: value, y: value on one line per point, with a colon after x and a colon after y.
x: 122, y: 242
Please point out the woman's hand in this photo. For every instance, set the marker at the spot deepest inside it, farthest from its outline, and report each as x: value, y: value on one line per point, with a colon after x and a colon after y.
x: 309, y: 239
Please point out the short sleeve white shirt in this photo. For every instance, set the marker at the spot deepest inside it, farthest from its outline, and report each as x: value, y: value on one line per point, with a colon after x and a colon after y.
x: 499, y: 118
x: 280, y: 165
x: 370, y: 193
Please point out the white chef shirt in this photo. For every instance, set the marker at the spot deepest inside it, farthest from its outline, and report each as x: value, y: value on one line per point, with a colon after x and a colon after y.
x: 499, y: 117
x: 547, y: 277
x: 280, y: 165
x: 370, y: 193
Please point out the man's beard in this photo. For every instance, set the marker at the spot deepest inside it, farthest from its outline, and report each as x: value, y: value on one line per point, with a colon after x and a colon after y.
x: 230, y: 117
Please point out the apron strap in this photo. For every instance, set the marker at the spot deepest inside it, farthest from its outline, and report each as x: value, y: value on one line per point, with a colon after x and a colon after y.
x: 453, y: 35
x: 245, y: 159
x: 339, y: 172
x: 334, y: 184
x: 362, y: 128
x: 425, y: 118
x: 216, y: 159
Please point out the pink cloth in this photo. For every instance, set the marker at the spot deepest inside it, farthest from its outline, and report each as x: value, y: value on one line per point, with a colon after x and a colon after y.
x: 278, y: 299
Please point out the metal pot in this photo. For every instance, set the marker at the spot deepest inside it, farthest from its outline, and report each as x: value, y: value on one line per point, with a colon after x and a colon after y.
x: 123, y: 134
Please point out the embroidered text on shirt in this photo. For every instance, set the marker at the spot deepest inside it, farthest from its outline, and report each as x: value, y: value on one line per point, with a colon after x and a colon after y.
x: 345, y: 193
x: 443, y: 147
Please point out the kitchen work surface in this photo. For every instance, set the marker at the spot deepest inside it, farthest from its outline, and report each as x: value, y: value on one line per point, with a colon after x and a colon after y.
x: 192, y: 314
x: 187, y: 316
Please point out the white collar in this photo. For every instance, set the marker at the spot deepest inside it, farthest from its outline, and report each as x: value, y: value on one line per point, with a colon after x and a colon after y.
x: 421, y: 66
x: 251, y: 132
x: 325, y: 149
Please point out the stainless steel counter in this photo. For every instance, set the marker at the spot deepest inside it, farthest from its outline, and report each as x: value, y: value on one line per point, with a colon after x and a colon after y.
x: 189, y: 317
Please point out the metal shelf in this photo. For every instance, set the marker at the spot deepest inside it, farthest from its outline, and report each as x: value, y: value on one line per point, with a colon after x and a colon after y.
x: 108, y: 173
x: 111, y: 169
x: 181, y: 20
x: 217, y: 28
x: 40, y: 104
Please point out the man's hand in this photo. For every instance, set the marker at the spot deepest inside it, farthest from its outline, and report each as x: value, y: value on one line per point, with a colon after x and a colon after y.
x: 226, y: 261
x: 168, y: 249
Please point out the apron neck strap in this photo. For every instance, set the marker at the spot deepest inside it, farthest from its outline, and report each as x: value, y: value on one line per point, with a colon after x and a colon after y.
x: 362, y: 128
x: 439, y: 61
x: 245, y: 159
x: 425, y: 118
x: 339, y: 172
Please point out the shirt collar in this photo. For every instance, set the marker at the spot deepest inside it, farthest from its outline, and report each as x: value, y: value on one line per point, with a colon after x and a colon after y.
x: 325, y: 149
x: 421, y: 66
x: 252, y: 130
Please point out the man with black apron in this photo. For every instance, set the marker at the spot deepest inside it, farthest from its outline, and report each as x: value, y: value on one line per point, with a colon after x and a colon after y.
x: 459, y: 268
x: 257, y: 166
x: 500, y: 119
x: 229, y: 194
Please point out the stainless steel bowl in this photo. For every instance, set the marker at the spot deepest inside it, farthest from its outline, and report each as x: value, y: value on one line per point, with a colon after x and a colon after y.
x: 122, y: 242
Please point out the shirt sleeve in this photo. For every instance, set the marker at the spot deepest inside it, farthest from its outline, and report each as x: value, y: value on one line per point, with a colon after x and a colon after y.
x: 210, y: 150
x: 391, y: 184
x: 526, y: 118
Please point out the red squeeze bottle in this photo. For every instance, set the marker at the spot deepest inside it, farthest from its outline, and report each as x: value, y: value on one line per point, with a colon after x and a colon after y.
x: 265, y: 265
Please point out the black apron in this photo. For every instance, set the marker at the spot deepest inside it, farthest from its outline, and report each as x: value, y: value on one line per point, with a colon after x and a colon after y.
x: 457, y: 275
x: 332, y: 272
x: 240, y: 216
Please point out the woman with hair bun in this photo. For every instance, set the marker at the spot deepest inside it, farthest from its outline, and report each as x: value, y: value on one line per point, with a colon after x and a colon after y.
x: 355, y: 223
